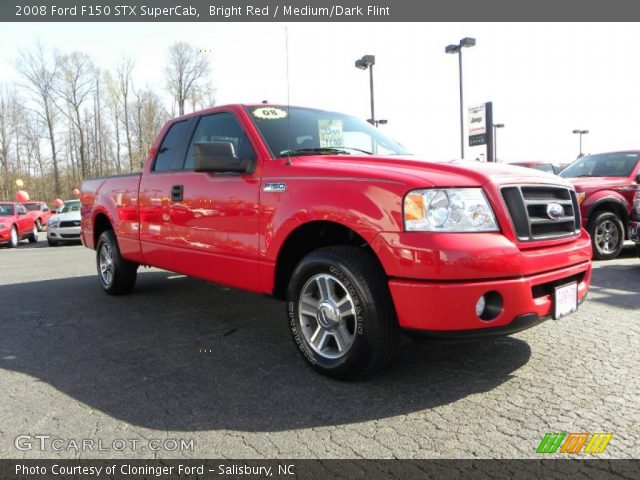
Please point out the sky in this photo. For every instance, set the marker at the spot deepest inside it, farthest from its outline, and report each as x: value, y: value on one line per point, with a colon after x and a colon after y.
x: 544, y: 79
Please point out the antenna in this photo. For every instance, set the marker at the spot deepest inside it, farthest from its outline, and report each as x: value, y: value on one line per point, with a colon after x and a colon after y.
x: 286, y: 40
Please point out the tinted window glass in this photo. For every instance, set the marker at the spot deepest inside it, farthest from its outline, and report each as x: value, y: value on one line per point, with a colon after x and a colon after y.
x: 21, y: 209
x: 545, y: 167
x: 602, y: 165
x: 220, y: 127
x: 169, y: 157
x: 72, y: 206
x: 6, y: 209
x: 32, y: 206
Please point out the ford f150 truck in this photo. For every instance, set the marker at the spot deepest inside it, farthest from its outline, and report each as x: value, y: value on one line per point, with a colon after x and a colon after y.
x: 605, y: 184
x: 361, y: 240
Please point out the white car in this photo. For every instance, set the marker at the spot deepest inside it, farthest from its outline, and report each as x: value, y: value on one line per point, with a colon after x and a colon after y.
x: 64, y: 226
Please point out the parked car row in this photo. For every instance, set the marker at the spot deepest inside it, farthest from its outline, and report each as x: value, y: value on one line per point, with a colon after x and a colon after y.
x: 605, y: 184
x: 23, y: 221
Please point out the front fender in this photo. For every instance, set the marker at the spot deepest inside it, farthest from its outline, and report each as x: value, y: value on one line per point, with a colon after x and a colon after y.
x: 593, y: 202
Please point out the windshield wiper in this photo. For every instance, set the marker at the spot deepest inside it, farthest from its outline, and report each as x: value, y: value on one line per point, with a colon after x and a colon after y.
x: 321, y: 151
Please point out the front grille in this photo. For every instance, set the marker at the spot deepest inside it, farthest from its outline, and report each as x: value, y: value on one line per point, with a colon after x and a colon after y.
x: 528, y: 208
x: 71, y: 223
x: 69, y: 235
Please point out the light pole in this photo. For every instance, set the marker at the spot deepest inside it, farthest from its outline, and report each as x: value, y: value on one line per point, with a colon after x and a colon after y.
x: 465, y: 42
x: 368, y: 61
x: 495, y: 140
x: 580, y: 133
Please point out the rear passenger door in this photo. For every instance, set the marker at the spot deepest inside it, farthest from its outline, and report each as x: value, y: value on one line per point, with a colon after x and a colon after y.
x: 155, y: 194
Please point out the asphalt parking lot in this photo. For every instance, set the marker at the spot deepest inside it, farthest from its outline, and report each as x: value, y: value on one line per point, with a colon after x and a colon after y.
x: 182, y: 360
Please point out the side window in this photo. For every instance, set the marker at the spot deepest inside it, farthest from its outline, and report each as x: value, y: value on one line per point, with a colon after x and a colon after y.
x: 220, y: 127
x: 169, y: 157
x: 21, y: 209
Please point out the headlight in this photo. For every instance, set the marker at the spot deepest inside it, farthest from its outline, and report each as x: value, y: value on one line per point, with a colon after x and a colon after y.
x: 448, y: 210
x: 53, y: 223
x: 580, y: 196
x: 2, y: 226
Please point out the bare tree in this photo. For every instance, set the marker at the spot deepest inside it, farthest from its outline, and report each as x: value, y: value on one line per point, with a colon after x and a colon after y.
x: 40, y: 75
x: 124, y: 71
x: 76, y: 85
x: 148, y: 115
x: 6, y: 134
x: 188, y: 69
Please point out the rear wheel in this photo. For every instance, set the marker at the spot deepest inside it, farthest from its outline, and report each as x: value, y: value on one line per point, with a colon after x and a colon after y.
x: 13, y: 237
x: 117, y: 276
x: 607, y: 235
x: 340, y: 312
x: 33, y: 238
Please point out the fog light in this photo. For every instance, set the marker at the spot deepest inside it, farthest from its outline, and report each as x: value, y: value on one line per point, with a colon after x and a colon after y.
x: 489, y: 306
x: 480, y: 304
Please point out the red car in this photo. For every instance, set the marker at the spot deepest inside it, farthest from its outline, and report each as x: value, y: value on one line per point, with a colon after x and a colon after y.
x: 40, y: 213
x: 548, y: 167
x: 16, y: 224
x: 606, y: 184
x: 361, y: 240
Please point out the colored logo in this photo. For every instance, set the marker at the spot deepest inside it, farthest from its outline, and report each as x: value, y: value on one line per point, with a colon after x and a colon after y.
x: 572, y: 443
x: 555, y: 211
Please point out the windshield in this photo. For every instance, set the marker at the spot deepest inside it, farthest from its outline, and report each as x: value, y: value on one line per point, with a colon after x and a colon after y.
x: 6, y: 209
x: 32, y: 206
x: 72, y: 206
x: 303, y: 131
x: 602, y: 165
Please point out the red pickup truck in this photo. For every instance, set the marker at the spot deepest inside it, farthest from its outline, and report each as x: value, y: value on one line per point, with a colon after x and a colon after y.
x: 362, y: 241
x: 605, y: 184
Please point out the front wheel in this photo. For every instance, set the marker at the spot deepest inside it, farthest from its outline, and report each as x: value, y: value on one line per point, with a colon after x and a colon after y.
x: 340, y: 312
x: 33, y: 238
x: 117, y: 276
x: 13, y: 237
x: 607, y: 235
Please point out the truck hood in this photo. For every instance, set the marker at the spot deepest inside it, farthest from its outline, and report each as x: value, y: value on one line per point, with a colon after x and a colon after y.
x: 424, y: 173
x: 592, y: 183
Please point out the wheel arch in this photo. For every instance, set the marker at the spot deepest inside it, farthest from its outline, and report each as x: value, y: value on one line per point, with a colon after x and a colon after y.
x: 308, y: 237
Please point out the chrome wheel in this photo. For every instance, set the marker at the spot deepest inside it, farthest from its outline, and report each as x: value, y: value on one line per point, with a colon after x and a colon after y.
x: 607, y: 237
x: 327, y: 316
x: 13, y: 237
x: 106, y: 264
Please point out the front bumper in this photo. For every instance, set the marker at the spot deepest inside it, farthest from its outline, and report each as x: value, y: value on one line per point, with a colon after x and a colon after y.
x: 451, y: 306
x: 63, y: 233
x: 436, y: 280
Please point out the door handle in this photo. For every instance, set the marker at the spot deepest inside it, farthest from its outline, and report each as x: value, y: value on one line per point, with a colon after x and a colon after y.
x: 176, y: 193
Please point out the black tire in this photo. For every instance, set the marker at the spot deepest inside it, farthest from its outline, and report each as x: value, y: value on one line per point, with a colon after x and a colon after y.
x: 33, y: 238
x: 52, y: 243
x: 607, y: 235
x: 123, y: 273
x: 14, y: 237
x: 373, y: 328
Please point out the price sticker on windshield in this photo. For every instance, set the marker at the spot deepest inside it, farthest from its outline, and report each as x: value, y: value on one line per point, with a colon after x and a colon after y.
x: 269, y: 113
x: 330, y: 133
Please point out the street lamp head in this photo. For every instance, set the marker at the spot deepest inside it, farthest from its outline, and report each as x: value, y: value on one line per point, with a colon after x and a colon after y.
x: 467, y: 42
x: 499, y: 125
x: 365, y: 62
x: 451, y: 49
x: 585, y: 131
x: 577, y: 131
x: 383, y: 122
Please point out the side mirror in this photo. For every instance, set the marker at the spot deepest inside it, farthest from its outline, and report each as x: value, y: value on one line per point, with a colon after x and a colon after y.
x: 45, y: 209
x: 218, y: 157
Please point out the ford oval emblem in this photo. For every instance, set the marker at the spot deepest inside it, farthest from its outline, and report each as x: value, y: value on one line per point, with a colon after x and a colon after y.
x: 555, y: 211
